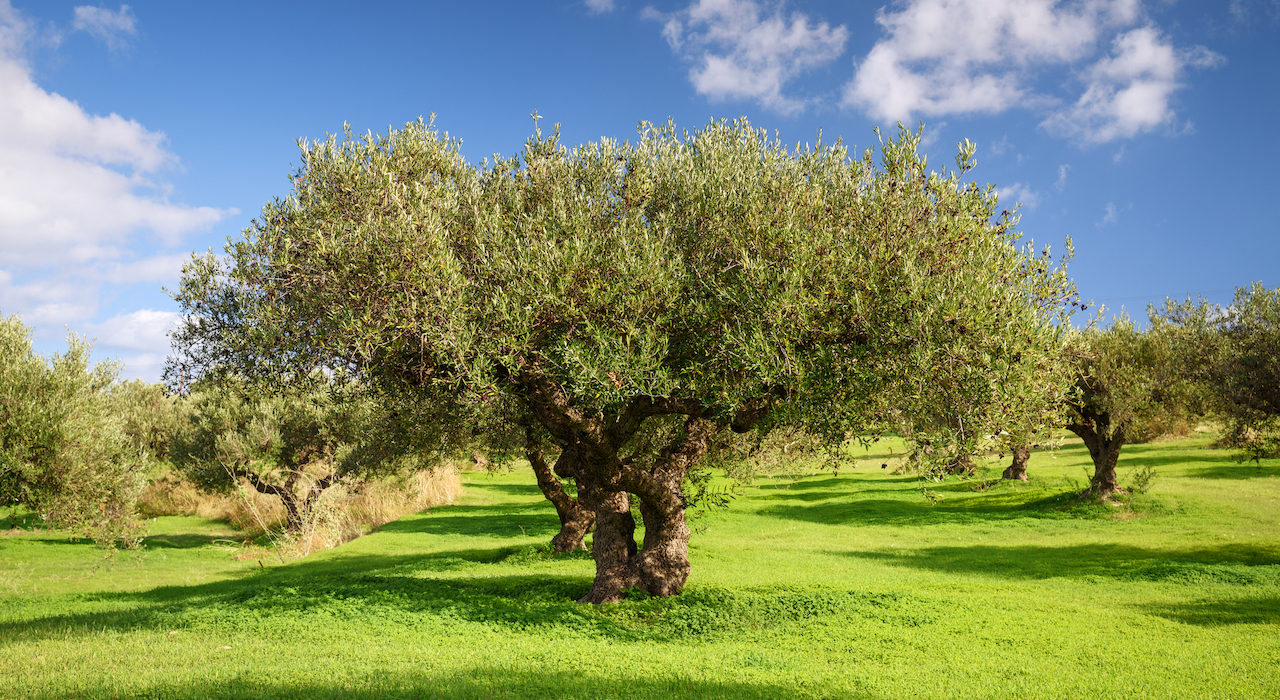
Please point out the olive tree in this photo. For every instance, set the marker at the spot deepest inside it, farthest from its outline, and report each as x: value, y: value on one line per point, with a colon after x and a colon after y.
x: 1129, y: 383
x: 1234, y: 352
x: 634, y: 301
x: 292, y: 441
x: 63, y: 450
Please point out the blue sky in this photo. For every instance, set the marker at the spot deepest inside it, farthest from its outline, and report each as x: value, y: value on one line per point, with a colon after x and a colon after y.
x: 131, y: 135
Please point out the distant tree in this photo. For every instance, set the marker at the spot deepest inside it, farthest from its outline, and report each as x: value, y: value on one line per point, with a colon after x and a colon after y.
x: 1234, y: 352
x: 289, y: 441
x: 636, y: 301
x: 63, y: 450
x: 1129, y: 384
x: 149, y: 416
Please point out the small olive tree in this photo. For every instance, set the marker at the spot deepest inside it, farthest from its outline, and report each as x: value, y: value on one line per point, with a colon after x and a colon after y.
x: 292, y: 441
x: 63, y: 450
x: 634, y: 301
x: 1129, y: 384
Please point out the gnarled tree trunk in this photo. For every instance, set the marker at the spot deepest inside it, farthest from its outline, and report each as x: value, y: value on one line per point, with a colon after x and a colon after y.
x: 614, y: 543
x: 1104, y: 447
x: 1018, y: 469
x: 576, y: 519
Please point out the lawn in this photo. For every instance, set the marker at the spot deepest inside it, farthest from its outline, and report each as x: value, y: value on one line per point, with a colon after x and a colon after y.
x: 817, y: 586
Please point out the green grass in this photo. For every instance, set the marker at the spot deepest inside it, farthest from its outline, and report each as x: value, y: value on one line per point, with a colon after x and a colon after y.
x: 815, y: 587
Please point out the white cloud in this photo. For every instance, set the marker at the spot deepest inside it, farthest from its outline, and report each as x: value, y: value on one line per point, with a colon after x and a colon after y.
x: 1018, y: 193
x: 1128, y: 92
x: 1110, y: 216
x: 600, y: 6
x: 142, y: 330
x: 739, y: 51
x: 944, y: 57
x: 1061, y: 184
x: 83, y: 198
x: 113, y: 28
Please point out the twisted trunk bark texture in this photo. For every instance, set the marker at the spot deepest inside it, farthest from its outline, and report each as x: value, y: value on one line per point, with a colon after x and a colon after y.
x: 1018, y: 470
x: 576, y: 518
x: 1104, y: 447
x: 606, y: 481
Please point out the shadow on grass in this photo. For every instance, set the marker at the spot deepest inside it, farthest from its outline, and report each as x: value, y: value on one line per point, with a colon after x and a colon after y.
x: 183, y: 541
x: 482, y: 521
x: 1236, y: 471
x: 484, y: 682
x: 1214, y: 613
x: 1241, y: 565
x: 840, y: 507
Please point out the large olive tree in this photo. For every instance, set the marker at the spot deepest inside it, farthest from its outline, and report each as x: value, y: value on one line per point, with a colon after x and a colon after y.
x: 636, y: 300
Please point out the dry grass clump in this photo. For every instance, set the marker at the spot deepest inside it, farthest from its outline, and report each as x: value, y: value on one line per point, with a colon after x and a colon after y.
x: 248, y: 511
x: 344, y: 512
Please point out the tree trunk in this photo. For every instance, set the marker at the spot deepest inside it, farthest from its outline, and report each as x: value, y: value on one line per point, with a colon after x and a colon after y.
x: 1018, y: 470
x: 1105, y: 452
x: 614, y: 544
x: 664, y: 559
x: 576, y: 519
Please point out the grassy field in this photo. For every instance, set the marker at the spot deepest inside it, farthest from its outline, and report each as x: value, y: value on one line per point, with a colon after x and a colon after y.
x: 816, y: 587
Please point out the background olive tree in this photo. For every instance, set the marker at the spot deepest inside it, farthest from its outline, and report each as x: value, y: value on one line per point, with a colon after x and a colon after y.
x: 634, y: 301
x: 290, y: 440
x: 1131, y: 385
x: 64, y: 451
x: 1234, y: 353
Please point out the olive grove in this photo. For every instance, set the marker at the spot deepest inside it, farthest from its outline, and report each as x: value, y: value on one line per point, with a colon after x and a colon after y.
x: 624, y: 306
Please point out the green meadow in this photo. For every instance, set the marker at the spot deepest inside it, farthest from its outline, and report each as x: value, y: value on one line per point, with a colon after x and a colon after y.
x: 807, y: 586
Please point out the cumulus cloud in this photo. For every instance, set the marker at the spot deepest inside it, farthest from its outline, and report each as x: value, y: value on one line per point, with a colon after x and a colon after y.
x: 1129, y: 91
x: 942, y: 57
x: 740, y: 51
x: 113, y: 28
x: 83, y: 199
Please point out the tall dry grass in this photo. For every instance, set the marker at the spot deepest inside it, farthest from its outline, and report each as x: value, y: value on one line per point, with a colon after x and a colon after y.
x: 344, y: 512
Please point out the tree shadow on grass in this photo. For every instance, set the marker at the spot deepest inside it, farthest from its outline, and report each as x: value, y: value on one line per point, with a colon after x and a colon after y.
x: 844, y: 508
x: 483, y: 682
x: 481, y: 521
x: 1242, y: 565
x: 1261, y: 610
x: 1236, y: 471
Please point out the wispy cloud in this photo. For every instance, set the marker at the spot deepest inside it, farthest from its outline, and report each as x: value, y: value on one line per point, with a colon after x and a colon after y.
x: 942, y: 57
x: 1018, y: 193
x: 600, y: 6
x: 1061, y: 183
x: 739, y: 50
x: 113, y: 28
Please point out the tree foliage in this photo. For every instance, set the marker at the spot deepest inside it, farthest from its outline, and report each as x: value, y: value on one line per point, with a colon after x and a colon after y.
x: 1130, y: 385
x: 1234, y: 353
x: 63, y: 450
x: 634, y: 300
x: 291, y: 441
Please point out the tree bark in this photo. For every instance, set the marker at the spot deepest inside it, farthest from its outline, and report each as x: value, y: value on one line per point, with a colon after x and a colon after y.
x: 664, y: 559
x: 576, y: 519
x: 1018, y: 470
x: 1105, y: 451
x: 614, y: 544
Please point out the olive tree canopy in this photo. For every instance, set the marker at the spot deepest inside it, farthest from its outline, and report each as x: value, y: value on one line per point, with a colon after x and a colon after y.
x: 634, y: 300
